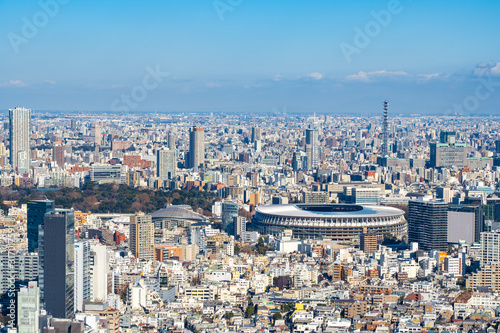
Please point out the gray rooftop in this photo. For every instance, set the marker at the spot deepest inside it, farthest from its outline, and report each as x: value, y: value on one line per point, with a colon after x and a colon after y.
x: 178, y: 212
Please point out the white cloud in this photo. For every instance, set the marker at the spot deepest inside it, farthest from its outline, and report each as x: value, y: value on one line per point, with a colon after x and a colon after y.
x: 50, y: 81
x: 434, y: 76
x: 487, y: 68
x: 277, y: 78
x: 14, y: 83
x: 367, y: 76
x: 314, y: 76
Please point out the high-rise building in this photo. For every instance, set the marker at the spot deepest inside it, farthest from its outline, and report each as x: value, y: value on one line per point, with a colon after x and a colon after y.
x: 312, y: 148
x: 447, y: 153
x: 256, y: 134
x: 142, y: 236
x: 171, y: 142
x: 497, y: 144
x: 20, y: 129
x: 490, y: 248
x: 465, y: 222
x: 28, y: 308
x: 36, y: 217
x: 95, y: 132
x: 240, y: 225
x: 18, y: 269
x: 196, y: 157
x: 229, y: 213
x: 299, y: 160
x: 57, y: 257
x: 166, y: 164
x: 368, y: 242
x: 428, y: 224
x: 58, y: 155
x: 98, y: 271
x: 82, y: 273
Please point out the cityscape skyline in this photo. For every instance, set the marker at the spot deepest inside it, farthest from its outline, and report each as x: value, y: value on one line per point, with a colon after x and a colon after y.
x: 127, y: 216
x: 237, y: 166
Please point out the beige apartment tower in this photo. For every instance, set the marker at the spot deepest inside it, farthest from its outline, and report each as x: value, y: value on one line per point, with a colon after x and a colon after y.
x: 368, y: 242
x: 142, y: 236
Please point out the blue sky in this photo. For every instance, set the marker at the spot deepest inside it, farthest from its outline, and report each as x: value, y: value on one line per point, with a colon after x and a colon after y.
x: 250, y: 55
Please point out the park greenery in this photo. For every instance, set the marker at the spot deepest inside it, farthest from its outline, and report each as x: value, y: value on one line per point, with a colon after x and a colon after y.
x: 116, y: 198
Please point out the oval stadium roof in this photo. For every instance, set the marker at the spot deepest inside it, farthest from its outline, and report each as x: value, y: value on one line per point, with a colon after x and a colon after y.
x: 329, y: 210
x: 178, y: 212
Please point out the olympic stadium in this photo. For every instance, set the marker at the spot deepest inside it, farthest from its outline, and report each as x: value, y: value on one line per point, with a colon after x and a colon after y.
x: 341, y: 222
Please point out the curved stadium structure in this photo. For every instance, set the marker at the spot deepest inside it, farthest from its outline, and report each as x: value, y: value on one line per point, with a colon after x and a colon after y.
x: 340, y: 222
x: 176, y: 216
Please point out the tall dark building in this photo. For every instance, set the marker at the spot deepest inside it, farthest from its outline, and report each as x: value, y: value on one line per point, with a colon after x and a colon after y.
x: 36, y: 216
x: 497, y: 144
x: 229, y: 213
x: 496, y: 213
x: 256, y: 134
x: 196, y: 157
x: 428, y: 224
x: 57, y: 248
x: 312, y: 148
x: 244, y: 157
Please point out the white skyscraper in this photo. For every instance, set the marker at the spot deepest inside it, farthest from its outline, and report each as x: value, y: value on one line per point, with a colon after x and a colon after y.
x: 28, y: 308
x: 490, y: 247
x: 20, y: 129
x: 99, y: 271
x: 82, y: 273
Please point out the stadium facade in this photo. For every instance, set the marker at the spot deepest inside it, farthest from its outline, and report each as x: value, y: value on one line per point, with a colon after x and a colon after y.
x: 341, y: 222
